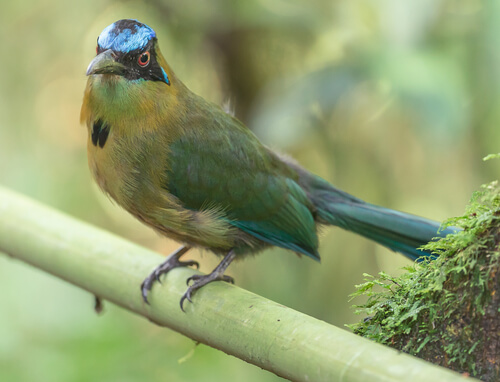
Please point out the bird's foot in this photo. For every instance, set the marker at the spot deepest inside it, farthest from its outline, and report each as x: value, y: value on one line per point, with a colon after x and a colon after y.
x: 201, y: 280
x: 170, y: 263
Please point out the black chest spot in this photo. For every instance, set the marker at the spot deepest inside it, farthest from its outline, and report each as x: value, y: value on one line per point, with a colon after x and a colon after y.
x: 100, y: 132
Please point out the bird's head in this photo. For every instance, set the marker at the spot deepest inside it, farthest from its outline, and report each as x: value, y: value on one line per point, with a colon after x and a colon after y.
x: 129, y: 78
x: 128, y: 48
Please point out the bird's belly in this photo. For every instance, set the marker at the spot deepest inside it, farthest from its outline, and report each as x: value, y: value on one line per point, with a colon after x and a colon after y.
x: 129, y: 181
x: 107, y: 171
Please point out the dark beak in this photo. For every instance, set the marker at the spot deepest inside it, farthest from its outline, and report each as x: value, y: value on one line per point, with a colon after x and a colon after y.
x: 105, y: 63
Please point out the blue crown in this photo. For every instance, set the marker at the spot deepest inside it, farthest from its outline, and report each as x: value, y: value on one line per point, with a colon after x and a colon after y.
x: 125, y: 36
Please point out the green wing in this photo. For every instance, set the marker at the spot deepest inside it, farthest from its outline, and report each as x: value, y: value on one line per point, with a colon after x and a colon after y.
x: 231, y: 170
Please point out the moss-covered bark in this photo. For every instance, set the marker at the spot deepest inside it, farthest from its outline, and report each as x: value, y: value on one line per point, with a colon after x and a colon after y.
x: 463, y: 330
x: 446, y: 311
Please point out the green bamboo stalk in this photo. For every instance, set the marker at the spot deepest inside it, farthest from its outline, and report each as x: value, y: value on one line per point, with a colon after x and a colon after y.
x: 259, y: 331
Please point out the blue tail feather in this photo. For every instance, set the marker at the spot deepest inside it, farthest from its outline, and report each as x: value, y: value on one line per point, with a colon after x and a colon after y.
x: 399, y: 231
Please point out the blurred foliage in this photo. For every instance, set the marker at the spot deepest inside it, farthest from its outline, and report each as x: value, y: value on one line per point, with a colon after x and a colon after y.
x: 395, y: 102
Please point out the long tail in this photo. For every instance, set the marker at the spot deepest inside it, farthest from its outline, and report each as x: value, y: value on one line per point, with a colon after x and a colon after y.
x: 396, y: 230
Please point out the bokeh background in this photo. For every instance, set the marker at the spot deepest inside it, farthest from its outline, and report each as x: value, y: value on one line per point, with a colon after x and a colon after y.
x: 393, y: 101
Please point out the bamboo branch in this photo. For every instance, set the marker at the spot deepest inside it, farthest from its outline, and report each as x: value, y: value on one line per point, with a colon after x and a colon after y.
x: 259, y: 331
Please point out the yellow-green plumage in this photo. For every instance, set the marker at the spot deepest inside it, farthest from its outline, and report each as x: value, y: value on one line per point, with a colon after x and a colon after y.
x: 192, y: 172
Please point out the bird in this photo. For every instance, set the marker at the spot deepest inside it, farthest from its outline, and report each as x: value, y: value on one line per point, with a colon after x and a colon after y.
x: 196, y: 174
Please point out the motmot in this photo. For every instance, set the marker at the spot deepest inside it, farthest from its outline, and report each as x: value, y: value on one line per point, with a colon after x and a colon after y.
x: 196, y: 174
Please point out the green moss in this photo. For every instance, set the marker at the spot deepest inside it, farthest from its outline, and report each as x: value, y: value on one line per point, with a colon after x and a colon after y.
x: 446, y: 310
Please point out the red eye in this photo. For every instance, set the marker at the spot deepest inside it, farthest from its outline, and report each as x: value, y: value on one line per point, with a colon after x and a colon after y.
x: 143, y: 59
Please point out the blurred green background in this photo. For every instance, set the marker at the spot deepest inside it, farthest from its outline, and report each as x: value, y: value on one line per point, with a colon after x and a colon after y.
x: 393, y: 101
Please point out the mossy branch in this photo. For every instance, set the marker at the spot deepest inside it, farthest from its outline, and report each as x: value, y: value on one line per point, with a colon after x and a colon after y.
x: 446, y: 311
x: 259, y: 331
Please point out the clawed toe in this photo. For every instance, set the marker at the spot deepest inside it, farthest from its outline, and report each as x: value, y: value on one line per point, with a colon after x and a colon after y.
x: 186, y: 296
x: 191, y: 263
x: 194, y: 282
x: 193, y: 278
x: 201, y: 280
x: 145, y: 288
x: 228, y: 279
x: 157, y: 275
x: 170, y: 263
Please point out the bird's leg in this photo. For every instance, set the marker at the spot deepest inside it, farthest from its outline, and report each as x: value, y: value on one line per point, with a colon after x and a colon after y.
x: 171, y: 262
x: 201, y: 280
